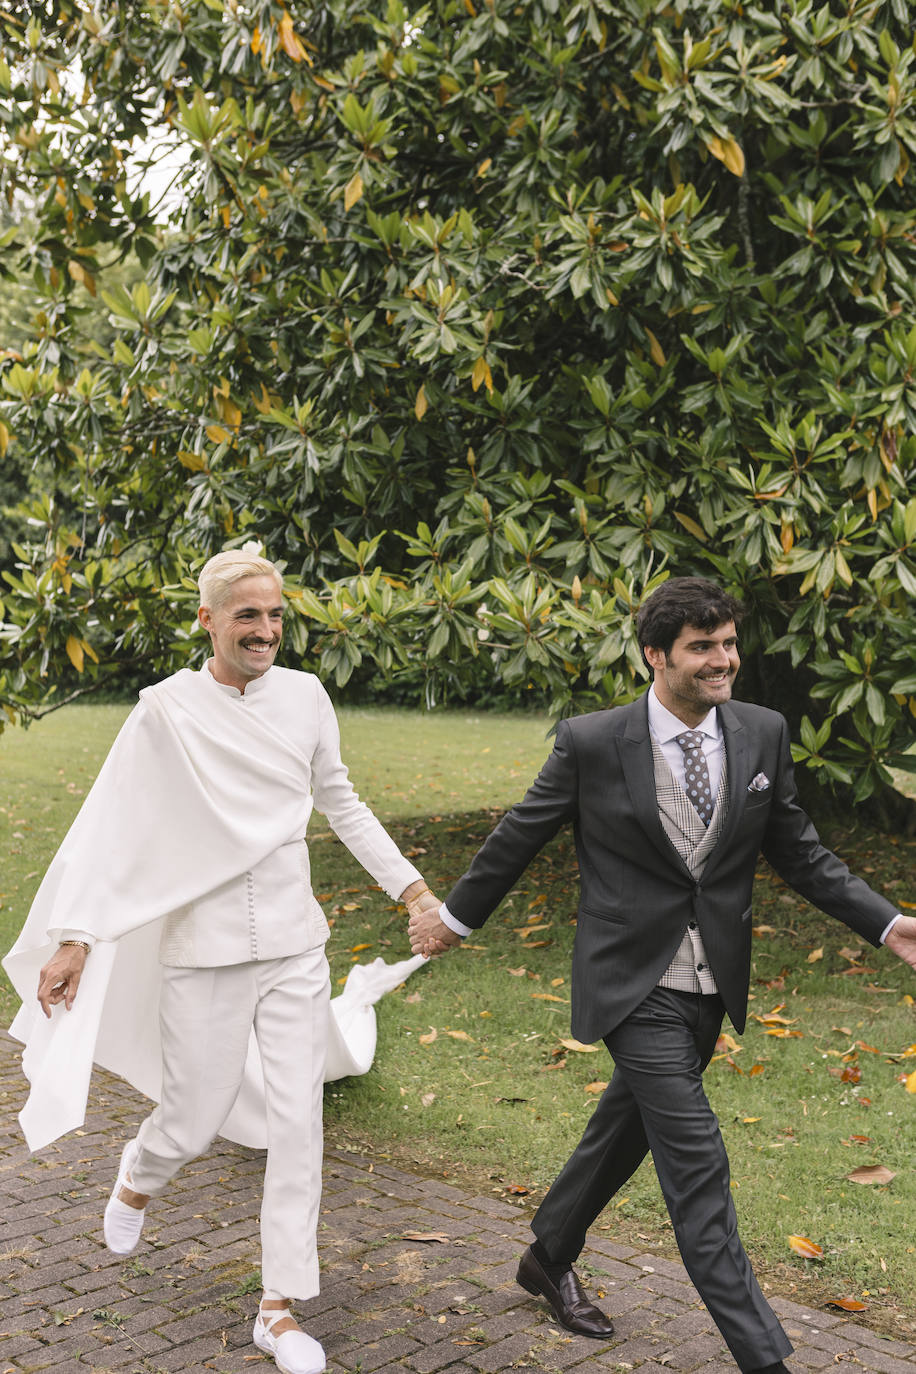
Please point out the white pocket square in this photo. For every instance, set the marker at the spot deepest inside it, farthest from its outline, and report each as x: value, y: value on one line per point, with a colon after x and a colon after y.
x: 758, y: 784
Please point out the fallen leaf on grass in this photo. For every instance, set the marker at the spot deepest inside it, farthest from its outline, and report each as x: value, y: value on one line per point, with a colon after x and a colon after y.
x: 517, y: 972
x: 579, y: 1048
x: 427, y: 1237
x: 850, y: 1074
x: 431, y: 1035
x: 726, y: 1042
x: 847, y: 1304
x: 597, y: 1087
x: 529, y: 930
x: 784, y: 1034
x: 428, y: 1099
x: 910, y: 1082
x: 857, y: 1140
x: 518, y: 1190
x: 808, y: 1249
x: 871, y: 1173
x: 548, y: 997
x: 851, y: 954
x: 460, y: 1035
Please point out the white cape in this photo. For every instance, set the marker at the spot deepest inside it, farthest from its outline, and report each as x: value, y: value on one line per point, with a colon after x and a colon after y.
x: 59, y: 1053
x: 132, y: 855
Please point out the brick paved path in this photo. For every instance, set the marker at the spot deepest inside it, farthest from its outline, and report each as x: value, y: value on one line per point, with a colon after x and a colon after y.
x: 390, y: 1301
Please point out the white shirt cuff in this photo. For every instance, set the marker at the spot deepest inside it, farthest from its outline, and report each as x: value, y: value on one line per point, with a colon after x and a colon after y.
x: 890, y: 925
x: 447, y: 919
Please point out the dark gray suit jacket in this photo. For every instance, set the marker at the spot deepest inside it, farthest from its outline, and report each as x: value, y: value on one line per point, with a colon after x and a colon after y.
x: 636, y: 893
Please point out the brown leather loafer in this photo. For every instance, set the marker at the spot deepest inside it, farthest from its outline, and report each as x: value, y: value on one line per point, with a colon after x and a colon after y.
x: 571, y: 1307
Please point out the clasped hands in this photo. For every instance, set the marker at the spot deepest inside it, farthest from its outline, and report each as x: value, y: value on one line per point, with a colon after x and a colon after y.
x: 428, y: 934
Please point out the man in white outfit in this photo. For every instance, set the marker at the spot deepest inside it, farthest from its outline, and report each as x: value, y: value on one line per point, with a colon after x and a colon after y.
x: 246, y: 748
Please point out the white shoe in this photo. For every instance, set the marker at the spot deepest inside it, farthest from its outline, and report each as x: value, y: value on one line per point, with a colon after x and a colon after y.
x: 294, y: 1352
x: 123, y: 1224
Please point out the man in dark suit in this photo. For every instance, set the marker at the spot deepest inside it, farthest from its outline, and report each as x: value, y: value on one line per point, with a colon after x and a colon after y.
x: 671, y: 798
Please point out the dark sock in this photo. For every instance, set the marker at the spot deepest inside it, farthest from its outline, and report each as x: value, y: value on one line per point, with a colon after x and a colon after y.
x: 552, y: 1268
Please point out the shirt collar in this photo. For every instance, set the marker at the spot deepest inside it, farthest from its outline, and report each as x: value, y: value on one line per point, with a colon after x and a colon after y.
x: 254, y: 686
x: 665, y: 726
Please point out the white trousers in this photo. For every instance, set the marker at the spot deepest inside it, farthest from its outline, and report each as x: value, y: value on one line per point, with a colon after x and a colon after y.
x: 206, y: 1016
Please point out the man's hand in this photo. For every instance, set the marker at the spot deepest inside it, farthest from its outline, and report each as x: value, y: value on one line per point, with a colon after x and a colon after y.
x: 429, y: 935
x: 902, y: 940
x: 60, y: 977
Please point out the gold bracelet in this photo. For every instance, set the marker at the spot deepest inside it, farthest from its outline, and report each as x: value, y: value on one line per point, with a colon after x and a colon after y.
x: 81, y: 943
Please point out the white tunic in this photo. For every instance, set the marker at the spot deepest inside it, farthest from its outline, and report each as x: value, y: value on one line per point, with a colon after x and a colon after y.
x: 190, y: 847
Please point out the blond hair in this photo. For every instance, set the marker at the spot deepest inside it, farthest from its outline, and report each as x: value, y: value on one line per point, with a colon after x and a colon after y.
x: 222, y: 570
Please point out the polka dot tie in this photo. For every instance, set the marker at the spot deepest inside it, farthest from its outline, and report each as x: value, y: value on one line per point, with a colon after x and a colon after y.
x: 696, y: 774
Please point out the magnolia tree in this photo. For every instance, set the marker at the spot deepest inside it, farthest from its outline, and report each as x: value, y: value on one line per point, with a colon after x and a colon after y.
x: 482, y: 318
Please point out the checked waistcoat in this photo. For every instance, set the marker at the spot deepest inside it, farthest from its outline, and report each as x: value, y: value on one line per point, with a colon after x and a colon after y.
x: 689, y: 970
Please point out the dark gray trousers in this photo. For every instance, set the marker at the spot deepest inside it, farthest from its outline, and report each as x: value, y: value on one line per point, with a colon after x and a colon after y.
x: 655, y: 1101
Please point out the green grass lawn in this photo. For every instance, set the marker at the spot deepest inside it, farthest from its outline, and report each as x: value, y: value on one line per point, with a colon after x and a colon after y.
x: 472, y: 1079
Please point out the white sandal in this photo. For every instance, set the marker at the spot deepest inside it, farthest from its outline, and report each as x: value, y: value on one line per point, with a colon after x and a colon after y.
x: 294, y: 1352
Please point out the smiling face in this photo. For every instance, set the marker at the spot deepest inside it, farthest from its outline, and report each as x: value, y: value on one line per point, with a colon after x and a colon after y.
x: 697, y: 672
x: 245, y: 628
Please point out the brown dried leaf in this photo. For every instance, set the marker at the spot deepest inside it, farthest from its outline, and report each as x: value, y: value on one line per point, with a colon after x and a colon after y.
x: 871, y: 1173
x: 431, y: 1035
x: 578, y: 1047
x: 430, y: 1237
x: 598, y: 1086
x: 847, y: 1304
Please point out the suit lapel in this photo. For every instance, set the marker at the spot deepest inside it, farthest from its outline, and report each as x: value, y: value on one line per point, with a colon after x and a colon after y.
x: 638, y: 768
x: 736, y: 761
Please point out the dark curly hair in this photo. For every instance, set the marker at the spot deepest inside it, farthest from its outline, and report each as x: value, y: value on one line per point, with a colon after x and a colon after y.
x: 683, y: 601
